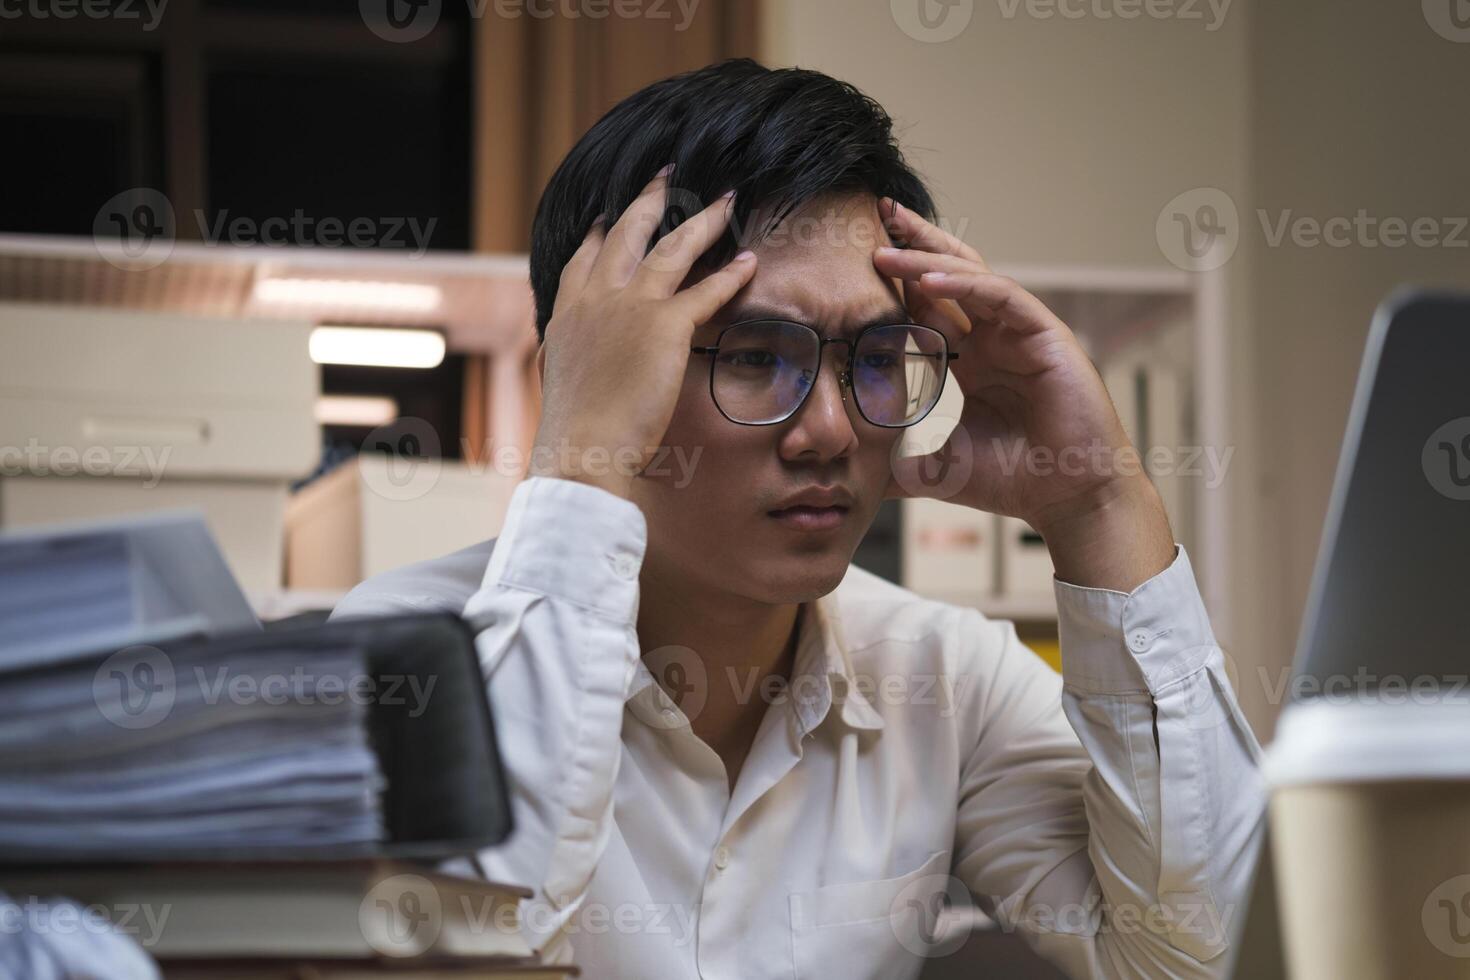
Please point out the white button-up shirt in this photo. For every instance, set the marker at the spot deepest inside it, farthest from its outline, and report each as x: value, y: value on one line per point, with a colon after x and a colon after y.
x: 1108, y: 814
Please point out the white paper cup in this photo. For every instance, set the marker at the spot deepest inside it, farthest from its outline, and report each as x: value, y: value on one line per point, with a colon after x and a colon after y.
x: 1370, y: 827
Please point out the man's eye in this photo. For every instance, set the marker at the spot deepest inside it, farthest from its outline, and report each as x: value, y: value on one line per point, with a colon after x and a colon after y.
x: 749, y: 358
x: 879, y: 359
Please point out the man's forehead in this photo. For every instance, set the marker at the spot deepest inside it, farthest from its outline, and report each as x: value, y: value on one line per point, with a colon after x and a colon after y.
x: 827, y: 229
x: 831, y: 311
x: 816, y: 267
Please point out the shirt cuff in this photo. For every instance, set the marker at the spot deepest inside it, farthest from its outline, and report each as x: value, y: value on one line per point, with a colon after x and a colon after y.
x: 572, y: 541
x: 1125, y: 643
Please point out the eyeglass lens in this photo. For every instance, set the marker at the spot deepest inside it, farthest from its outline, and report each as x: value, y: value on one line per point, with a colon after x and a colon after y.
x: 764, y: 368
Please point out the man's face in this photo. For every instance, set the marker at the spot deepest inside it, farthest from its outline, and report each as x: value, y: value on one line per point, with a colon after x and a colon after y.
x: 719, y: 525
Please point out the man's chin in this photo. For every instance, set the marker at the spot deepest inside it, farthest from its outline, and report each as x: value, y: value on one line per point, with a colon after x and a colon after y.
x: 800, y: 578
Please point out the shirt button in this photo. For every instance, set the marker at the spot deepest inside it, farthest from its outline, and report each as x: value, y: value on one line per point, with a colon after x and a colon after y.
x: 670, y: 715
x: 722, y: 857
x: 1140, y: 640
x: 625, y: 566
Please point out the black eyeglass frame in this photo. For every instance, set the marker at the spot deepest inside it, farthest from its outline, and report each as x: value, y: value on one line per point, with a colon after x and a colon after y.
x: 844, y: 381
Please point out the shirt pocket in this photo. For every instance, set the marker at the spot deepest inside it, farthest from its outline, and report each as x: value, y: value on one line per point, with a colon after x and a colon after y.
x: 862, y: 929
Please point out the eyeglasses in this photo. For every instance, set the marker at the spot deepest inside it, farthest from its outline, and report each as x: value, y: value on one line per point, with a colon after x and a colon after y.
x: 761, y: 371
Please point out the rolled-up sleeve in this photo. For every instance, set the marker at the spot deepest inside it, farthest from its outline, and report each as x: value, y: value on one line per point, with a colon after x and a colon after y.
x: 1144, y: 807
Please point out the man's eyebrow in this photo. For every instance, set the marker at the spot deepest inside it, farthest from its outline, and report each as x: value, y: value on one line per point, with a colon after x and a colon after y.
x: 893, y: 314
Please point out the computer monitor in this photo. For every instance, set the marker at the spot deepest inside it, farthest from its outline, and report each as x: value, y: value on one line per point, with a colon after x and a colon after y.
x: 1393, y: 570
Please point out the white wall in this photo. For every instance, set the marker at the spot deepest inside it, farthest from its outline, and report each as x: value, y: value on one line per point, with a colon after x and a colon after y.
x: 1356, y: 106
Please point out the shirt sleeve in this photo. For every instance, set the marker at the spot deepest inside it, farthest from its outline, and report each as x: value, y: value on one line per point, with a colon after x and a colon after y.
x: 556, y: 619
x: 1112, y: 815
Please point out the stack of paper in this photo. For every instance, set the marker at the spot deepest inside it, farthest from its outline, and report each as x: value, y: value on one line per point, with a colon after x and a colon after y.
x: 183, y: 751
x: 126, y: 724
x: 79, y: 589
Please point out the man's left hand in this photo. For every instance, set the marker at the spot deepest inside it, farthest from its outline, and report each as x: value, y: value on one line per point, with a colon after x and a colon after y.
x: 1038, y: 432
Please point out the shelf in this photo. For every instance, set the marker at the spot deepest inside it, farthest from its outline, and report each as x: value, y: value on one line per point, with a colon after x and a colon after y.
x: 484, y: 301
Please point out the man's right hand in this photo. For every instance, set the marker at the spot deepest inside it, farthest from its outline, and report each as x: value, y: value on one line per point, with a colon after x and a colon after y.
x: 617, y: 345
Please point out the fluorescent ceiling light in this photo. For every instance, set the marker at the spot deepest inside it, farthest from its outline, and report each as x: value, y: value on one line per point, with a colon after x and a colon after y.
x: 369, y: 410
x: 377, y: 347
x: 400, y: 297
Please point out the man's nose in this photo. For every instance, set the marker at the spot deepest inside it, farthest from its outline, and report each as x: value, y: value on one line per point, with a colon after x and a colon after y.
x: 823, y: 426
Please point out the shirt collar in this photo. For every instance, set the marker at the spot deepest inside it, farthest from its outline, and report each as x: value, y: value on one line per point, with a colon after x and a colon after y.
x: 822, y: 677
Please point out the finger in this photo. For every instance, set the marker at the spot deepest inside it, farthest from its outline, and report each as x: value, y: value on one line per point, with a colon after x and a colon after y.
x: 910, y: 228
x: 627, y: 241
x: 667, y: 265
x: 700, y: 302
x: 575, y: 273
x: 991, y: 298
x: 943, y: 315
x: 910, y: 264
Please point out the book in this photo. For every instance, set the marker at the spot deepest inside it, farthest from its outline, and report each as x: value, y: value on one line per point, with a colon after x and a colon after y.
x: 352, y: 909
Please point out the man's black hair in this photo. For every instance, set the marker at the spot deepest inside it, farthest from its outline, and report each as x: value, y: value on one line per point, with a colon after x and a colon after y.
x: 778, y: 137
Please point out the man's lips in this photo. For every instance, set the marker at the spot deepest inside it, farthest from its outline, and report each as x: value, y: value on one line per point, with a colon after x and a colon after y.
x: 804, y: 517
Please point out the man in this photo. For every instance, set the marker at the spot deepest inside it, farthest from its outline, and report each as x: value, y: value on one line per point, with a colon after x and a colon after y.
x: 733, y: 754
